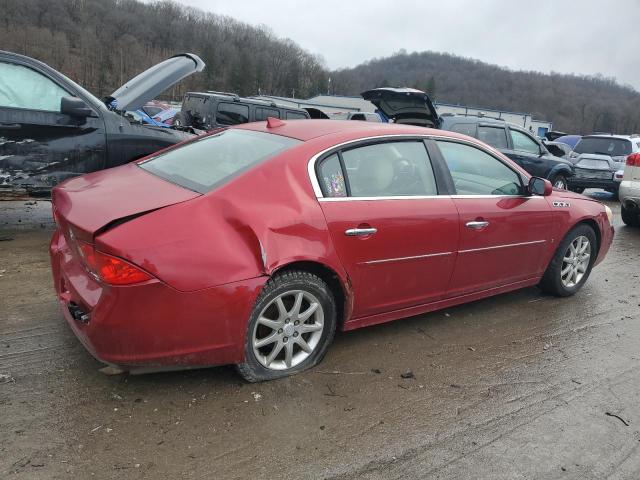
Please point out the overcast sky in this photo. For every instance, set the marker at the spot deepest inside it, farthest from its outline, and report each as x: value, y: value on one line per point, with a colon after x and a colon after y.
x: 568, y: 36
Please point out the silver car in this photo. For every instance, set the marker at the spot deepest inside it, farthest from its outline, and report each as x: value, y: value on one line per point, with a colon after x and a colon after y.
x: 599, y: 161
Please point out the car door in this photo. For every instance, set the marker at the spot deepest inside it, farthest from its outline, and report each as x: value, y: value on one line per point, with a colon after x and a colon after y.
x: 39, y: 145
x: 504, y: 234
x: 394, y: 234
x: 527, y: 153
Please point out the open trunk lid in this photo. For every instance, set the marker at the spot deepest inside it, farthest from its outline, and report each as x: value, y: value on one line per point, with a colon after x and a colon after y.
x: 149, y: 84
x: 93, y: 202
x: 404, y: 105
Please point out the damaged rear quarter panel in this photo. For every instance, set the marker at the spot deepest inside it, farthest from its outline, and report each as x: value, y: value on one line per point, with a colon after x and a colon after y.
x: 264, y: 219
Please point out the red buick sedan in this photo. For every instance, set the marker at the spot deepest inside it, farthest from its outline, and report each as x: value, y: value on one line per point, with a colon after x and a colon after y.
x: 252, y: 245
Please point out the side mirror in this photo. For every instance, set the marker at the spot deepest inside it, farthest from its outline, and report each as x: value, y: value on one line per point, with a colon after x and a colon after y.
x: 540, y: 186
x: 74, y: 107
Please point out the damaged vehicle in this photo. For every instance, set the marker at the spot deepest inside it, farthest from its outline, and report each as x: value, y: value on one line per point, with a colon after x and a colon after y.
x: 251, y: 245
x: 52, y: 129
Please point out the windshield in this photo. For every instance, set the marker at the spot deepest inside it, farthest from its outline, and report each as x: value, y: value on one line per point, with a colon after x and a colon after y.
x: 206, y: 163
x: 614, y: 147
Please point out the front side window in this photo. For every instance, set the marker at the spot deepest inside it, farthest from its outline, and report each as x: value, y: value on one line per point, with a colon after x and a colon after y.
x: 389, y: 169
x: 475, y: 172
x: 494, y: 136
x: 23, y: 87
x: 524, y: 143
x: 232, y: 114
x: 208, y: 162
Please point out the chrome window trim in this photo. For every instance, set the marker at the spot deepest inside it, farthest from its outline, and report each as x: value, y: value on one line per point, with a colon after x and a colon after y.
x: 534, y: 242
x: 421, y: 197
x: 399, y: 259
x: 311, y: 167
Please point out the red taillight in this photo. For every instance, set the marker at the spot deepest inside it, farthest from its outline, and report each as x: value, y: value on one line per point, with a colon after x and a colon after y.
x: 633, y: 160
x: 111, y: 270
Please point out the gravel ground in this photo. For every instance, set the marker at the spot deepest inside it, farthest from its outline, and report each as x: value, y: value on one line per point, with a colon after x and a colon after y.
x: 521, y: 385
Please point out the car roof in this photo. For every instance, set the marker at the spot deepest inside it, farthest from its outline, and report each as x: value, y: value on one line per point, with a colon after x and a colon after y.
x: 608, y: 135
x: 232, y: 97
x: 305, y: 130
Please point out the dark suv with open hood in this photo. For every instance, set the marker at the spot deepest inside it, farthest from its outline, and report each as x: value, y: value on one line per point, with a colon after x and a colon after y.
x: 52, y: 129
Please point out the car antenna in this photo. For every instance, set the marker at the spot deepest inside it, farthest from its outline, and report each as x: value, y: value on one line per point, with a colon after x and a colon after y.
x: 274, y: 122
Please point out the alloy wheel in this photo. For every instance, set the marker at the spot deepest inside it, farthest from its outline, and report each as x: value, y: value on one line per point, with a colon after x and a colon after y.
x: 288, y: 330
x: 560, y: 183
x: 575, y: 261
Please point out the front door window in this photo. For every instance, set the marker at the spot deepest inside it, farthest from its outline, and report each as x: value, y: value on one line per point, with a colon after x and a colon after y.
x: 23, y: 87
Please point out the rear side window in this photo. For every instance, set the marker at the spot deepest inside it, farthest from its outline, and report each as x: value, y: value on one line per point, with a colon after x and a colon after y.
x: 614, y: 147
x: 331, y: 177
x: 208, y: 162
x: 389, y: 169
x: 464, y: 128
x: 475, y: 172
x: 264, y: 113
x: 232, y: 114
x: 494, y: 136
x: 295, y: 115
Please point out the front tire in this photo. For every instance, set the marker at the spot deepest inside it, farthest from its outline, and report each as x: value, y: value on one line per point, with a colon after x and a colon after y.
x: 577, y: 189
x: 559, y: 181
x: 572, y: 263
x: 290, y: 328
x: 630, y: 218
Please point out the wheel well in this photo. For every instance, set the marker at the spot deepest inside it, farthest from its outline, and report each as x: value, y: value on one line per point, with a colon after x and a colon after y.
x: 596, y: 229
x: 330, y: 278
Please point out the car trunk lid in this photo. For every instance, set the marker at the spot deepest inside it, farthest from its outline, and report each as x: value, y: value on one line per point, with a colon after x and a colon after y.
x: 404, y: 105
x: 155, y: 80
x: 98, y: 201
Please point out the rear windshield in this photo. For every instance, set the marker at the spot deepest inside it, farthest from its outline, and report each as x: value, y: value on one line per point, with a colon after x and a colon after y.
x: 207, y: 163
x: 614, y: 147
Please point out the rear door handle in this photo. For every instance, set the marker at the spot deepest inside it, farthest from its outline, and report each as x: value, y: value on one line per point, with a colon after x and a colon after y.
x: 356, y: 232
x: 477, y: 224
x: 10, y: 126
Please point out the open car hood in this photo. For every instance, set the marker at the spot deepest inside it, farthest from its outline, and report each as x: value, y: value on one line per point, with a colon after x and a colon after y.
x: 404, y: 105
x: 149, y: 84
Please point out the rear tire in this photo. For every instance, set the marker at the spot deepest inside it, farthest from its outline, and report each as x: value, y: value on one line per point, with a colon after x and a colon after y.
x: 630, y: 218
x: 577, y: 189
x: 570, y: 266
x: 290, y: 328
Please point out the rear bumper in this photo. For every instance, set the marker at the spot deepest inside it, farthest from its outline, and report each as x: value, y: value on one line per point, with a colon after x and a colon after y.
x: 151, y: 324
x: 594, y: 183
x: 630, y: 194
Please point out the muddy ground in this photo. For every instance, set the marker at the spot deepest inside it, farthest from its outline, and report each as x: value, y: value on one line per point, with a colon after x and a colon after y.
x: 517, y: 386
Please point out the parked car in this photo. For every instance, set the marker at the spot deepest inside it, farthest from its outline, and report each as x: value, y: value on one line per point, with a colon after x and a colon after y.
x: 166, y: 116
x: 251, y: 245
x: 516, y: 143
x: 210, y: 110
x: 52, y: 129
x: 599, y: 161
x: 570, y: 140
x: 630, y: 191
x: 359, y: 116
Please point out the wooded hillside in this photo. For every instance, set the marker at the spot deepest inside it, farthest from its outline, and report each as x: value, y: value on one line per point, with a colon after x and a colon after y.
x: 573, y: 103
x: 102, y: 43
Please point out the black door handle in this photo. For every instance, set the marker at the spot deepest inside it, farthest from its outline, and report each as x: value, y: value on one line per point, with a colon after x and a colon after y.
x: 10, y: 126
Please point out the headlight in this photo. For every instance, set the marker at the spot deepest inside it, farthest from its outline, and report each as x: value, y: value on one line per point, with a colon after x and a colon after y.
x: 609, y: 214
